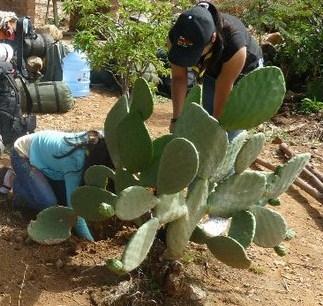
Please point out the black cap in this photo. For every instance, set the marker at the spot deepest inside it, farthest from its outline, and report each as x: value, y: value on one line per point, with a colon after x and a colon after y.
x: 190, y: 35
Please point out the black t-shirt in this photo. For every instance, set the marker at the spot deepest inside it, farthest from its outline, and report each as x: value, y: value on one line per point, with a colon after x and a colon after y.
x: 235, y: 36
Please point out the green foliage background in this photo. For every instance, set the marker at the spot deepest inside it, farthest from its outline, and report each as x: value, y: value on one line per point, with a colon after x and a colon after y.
x: 301, y: 25
x: 113, y: 38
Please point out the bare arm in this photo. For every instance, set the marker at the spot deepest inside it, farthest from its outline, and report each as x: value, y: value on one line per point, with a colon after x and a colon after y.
x: 178, y: 89
x: 229, y: 73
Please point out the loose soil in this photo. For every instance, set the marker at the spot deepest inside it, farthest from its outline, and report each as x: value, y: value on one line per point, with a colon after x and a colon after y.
x: 73, y: 273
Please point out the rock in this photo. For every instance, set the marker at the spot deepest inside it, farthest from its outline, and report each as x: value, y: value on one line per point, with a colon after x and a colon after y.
x: 52, y: 30
x: 59, y: 264
x: 273, y: 38
x: 196, y: 294
x: 19, y: 238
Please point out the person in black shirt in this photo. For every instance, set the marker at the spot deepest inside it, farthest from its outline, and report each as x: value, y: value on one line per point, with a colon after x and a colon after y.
x: 220, y: 50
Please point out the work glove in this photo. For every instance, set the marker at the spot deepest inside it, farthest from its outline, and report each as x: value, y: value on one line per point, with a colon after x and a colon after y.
x: 82, y: 230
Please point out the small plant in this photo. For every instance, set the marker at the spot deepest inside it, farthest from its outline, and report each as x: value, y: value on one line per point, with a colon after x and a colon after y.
x: 308, y: 106
x: 178, y: 179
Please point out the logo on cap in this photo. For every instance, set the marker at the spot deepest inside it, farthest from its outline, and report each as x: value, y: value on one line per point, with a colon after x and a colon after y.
x: 184, y: 42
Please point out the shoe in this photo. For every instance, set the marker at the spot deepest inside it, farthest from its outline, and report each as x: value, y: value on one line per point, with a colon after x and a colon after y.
x: 7, y: 176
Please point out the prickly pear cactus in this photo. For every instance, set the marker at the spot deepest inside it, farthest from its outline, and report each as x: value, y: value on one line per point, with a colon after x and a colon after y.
x: 176, y: 181
x: 52, y: 226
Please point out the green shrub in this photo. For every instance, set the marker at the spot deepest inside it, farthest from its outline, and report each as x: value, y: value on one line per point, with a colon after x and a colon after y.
x: 300, y: 23
x: 314, y: 89
x: 308, y: 106
x: 124, y: 38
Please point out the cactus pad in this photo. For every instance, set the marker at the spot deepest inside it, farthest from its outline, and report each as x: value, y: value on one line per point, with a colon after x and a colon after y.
x: 149, y: 176
x: 270, y: 227
x: 135, y: 145
x: 115, y: 116
x: 199, y: 235
x: 274, y: 202
x: 238, y: 192
x: 115, y: 266
x: 281, y: 250
x: 87, y: 203
x: 290, y: 234
x: 52, y: 226
x: 139, y: 245
x: 209, y: 138
x: 98, y: 176
x: 229, y: 251
x: 178, y: 166
x: 255, y: 99
x: 106, y: 210
x: 226, y: 167
x: 124, y: 179
x: 193, y: 96
x: 249, y: 152
x: 243, y: 227
x: 133, y: 202
x: 285, y: 175
x: 170, y: 207
x: 180, y: 230
x: 141, y: 99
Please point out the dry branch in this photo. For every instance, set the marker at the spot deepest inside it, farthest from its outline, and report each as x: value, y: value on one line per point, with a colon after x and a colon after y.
x: 22, y: 286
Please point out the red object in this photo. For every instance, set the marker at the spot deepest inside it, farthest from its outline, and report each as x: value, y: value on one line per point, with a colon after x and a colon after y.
x: 8, y: 35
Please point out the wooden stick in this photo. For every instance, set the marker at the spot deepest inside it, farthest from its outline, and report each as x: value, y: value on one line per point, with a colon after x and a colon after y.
x: 298, y: 182
x: 265, y: 164
x: 317, y: 173
x: 313, y: 179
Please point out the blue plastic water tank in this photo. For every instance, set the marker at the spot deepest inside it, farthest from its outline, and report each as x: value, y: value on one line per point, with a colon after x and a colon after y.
x: 76, y: 73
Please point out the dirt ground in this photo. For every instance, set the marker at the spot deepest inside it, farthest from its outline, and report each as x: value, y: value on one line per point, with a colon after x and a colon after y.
x: 73, y: 273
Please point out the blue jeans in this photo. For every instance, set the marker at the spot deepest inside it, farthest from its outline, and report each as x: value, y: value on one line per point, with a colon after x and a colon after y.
x: 38, y: 192
x: 31, y: 185
x: 208, y: 101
